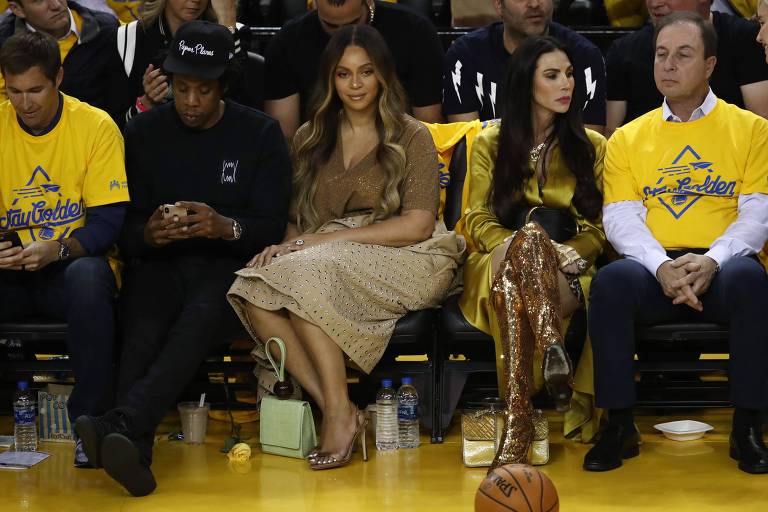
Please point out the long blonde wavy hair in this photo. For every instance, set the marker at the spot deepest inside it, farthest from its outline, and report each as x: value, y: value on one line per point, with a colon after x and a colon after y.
x: 318, y: 139
x: 151, y: 10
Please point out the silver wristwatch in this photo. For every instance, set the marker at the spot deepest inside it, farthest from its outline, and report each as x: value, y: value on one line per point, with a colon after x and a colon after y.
x: 63, y: 250
x: 237, y: 230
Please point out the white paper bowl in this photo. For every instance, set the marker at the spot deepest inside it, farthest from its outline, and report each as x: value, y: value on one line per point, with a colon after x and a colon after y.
x: 684, y: 430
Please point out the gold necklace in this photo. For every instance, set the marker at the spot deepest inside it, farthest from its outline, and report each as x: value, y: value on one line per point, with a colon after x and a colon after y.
x: 536, y: 152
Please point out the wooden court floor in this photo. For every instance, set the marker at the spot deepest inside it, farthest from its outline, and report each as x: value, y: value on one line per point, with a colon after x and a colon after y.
x: 668, y: 476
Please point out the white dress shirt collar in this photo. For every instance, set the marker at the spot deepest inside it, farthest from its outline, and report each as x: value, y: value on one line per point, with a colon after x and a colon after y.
x: 705, y: 108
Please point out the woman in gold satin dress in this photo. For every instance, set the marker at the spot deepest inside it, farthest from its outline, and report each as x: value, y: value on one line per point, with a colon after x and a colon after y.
x: 519, y: 285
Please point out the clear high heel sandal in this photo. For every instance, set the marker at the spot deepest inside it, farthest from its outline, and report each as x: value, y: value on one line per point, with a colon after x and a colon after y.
x: 327, y: 461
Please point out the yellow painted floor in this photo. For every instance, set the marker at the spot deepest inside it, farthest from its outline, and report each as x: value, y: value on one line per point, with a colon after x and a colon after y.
x: 668, y: 476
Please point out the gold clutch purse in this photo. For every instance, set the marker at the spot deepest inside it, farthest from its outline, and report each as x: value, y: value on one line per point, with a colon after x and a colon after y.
x: 481, y: 433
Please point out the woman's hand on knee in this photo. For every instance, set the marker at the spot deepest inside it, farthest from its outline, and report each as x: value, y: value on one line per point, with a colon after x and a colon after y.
x: 265, y: 257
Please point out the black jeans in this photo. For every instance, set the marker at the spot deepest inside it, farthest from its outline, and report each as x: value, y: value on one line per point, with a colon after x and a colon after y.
x: 624, y: 294
x: 173, y: 313
x: 82, y: 293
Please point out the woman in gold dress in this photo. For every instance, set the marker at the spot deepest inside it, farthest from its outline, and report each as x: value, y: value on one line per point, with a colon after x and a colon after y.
x: 363, y: 246
x: 519, y: 284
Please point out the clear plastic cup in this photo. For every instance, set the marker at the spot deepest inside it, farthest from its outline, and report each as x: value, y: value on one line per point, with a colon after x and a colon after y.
x: 194, y: 421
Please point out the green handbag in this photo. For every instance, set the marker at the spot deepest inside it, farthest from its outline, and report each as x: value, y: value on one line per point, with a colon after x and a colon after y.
x: 287, y: 427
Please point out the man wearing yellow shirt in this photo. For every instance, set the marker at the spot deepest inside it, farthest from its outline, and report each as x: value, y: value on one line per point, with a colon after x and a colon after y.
x: 83, y: 36
x: 63, y: 192
x: 686, y: 204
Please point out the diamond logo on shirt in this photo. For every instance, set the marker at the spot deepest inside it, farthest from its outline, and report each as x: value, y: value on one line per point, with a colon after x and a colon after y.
x: 686, y: 180
x: 38, y: 207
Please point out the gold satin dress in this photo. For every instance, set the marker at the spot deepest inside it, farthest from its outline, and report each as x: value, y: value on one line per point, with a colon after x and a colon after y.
x: 484, y: 233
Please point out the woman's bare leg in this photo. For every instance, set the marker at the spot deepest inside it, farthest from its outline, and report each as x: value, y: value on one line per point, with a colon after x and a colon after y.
x: 267, y: 324
x: 339, y: 414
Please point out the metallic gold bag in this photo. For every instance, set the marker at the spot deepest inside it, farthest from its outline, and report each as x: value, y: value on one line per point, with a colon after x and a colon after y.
x: 481, y: 432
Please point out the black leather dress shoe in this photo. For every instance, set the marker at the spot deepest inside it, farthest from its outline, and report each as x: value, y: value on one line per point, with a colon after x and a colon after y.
x: 616, y: 443
x: 749, y: 449
x: 93, y: 429
x: 123, y: 462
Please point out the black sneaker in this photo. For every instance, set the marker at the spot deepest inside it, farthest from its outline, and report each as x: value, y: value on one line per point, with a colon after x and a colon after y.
x: 123, y: 462
x: 92, y: 430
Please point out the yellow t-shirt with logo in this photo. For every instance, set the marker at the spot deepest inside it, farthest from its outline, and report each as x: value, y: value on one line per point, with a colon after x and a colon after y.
x: 689, y: 176
x: 48, y: 182
x: 65, y: 45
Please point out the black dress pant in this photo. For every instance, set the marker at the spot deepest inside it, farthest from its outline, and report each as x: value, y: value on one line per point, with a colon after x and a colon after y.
x: 624, y: 294
x: 80, y: 292
x: 174, y: 312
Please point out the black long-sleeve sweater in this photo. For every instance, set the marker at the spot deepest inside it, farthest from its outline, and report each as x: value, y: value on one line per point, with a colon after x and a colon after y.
x: 240, y: 167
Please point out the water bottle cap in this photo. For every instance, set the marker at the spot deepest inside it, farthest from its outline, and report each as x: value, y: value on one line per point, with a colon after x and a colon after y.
x: 407, y: 381
x: 22, y: 385
x: 386, y: 383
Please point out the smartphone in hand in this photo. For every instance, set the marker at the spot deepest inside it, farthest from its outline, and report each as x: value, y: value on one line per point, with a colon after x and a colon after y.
x: 170, y: 210
x: 10, y: 236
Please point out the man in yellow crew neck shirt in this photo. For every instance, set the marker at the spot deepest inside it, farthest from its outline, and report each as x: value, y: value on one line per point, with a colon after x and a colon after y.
x: 686, y: 204
x: 63, y: 195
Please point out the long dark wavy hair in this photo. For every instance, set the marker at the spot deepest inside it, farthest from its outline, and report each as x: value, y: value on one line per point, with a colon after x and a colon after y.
x: 512, y: 170
x: 315, y: 146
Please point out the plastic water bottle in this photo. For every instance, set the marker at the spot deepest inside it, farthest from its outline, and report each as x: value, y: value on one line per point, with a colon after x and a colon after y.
x: 407, y: 415
x: 386, y: 417
x: 24, y: 418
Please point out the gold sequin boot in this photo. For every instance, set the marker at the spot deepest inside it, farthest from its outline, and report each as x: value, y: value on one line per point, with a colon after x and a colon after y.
x: 536, y: 274
x: 526, y: 298
x: 517, y: 345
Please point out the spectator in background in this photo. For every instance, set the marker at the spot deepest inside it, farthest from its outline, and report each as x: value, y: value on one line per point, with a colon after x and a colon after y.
x: 84, y: 42
x: 63, y: 192
x: 227, y: 168
x: 138, y: 49
x: 740, y: 76
x: 762, y: 19
x: 743, y: 8
x: 475, y: 63
x: 689, y: 213
x: 294, y: 53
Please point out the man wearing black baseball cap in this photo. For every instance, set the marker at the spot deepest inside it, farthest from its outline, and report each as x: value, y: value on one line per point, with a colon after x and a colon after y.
x: 222, y: 172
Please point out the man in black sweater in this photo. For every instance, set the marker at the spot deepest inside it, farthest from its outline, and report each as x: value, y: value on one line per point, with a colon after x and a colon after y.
x: 210, y: 185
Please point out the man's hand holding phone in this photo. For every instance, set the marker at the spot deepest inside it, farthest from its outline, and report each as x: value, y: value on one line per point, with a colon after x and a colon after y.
x: 201, y: 221
x: 157, y: 230
x: 10, y: 251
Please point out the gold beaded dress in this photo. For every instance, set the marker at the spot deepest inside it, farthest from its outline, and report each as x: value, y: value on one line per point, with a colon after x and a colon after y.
x: 356, y: 292
x: 484, y: 232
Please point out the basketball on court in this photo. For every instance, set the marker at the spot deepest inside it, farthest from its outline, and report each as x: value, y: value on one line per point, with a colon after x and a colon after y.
x: 518, y: 488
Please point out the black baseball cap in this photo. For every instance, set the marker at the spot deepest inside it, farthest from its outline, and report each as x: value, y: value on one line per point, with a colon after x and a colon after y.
x: 200, y: 48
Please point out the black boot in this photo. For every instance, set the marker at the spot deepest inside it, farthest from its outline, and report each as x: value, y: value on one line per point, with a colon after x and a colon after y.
x: 91, y: 431
x: 747, y: 444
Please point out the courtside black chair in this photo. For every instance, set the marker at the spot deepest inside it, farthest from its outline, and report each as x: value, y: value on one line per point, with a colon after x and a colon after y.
x: 672, y: 383
x: 416, y: 333
x: 455, y: 334
x: 38, y: 347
